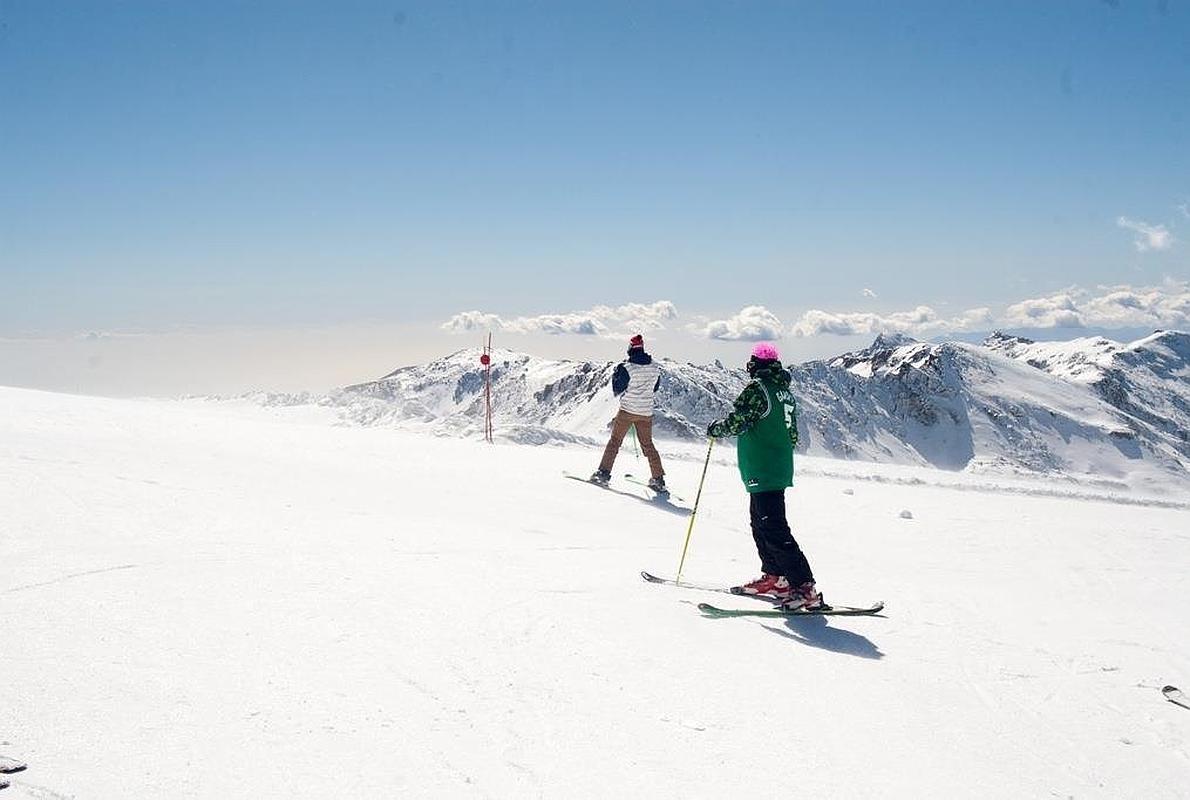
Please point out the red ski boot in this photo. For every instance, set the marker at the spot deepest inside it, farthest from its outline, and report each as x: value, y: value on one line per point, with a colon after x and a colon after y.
x: 775, y: 586
x: 803, y: 598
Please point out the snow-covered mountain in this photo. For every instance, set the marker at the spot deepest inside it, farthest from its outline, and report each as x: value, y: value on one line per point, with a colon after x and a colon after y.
x: 987, y: 408
x: 1091, y: 407
x: 1148, y: 380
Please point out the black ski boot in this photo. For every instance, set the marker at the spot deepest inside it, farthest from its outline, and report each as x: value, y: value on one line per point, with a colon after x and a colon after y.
x: 658, y: 485
x: 600, y: 477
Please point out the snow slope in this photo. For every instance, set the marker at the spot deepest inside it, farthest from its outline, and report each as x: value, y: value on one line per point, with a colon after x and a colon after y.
x: 209, y: 601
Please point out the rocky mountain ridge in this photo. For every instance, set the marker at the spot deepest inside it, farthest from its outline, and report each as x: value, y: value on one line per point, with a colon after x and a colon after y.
x: 1089, y: 407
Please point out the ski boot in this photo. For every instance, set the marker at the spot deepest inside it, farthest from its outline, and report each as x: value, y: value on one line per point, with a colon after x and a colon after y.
x: 658, y: 485
x: 600, y: 477
x: 803, y: 598
x: 775, y: 586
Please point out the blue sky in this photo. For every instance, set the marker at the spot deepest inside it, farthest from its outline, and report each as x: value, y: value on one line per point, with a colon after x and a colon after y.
x: 296, y: 164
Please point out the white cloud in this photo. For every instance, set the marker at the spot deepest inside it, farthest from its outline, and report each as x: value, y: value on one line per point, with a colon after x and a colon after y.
x: 974, y: 319
x: 554, y: 324
x: 1123, y: 306
x: 598, y: 321
x: 1185, y: 209
x: 467, y: 321
x: 585, y: 324
x: 920, y: 320
x: 637, y: 317
x: 1148, y: 237
x: 868, y: 293
x: 751, y: 324
x: 99, y: 336
x: 816, y: 322
x: 1056, y: 311
x: 1166, y: 306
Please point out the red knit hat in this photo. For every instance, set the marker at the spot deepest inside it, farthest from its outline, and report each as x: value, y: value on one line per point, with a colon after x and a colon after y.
x: 636, y: 342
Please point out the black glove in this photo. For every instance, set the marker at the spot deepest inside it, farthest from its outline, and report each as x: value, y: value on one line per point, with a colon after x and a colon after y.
x: 713, y: 430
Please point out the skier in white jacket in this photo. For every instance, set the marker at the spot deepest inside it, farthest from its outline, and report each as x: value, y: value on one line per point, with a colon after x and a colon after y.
x: 635, y: 380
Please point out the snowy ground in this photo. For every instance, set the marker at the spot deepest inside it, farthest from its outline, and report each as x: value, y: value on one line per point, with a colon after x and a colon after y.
x: 199, y: 601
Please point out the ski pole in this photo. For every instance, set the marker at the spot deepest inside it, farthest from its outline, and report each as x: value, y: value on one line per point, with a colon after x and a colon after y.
x: 635, y: 451
x: 694, y: 511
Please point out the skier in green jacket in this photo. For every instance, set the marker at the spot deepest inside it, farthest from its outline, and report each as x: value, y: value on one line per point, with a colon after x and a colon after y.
x: 765, y: 420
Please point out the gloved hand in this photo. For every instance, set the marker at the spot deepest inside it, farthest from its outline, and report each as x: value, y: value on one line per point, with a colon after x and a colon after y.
x: 713, y: 430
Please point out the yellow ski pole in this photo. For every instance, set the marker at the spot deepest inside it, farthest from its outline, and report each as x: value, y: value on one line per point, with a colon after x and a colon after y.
x: 694, y: 511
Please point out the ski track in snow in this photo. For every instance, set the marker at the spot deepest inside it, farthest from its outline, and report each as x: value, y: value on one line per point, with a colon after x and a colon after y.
x: 961, y: 482
x: 995, y: 488
x: 72, y: 576
x: 361, y: 612
x: 36, y: 792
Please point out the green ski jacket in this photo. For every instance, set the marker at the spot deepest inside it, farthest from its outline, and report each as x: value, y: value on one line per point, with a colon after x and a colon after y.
x: 765, y: 419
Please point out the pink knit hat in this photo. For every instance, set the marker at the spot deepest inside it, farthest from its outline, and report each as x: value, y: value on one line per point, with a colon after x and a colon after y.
x: 766, y: 351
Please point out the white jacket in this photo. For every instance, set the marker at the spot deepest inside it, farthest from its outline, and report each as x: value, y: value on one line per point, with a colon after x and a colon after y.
x: 637, y: 398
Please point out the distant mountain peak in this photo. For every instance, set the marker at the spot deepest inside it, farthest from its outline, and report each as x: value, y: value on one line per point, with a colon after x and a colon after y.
x: 887, y: 350
x: 999, y: 340
x: 1177, y: 342
x: 890, y: 341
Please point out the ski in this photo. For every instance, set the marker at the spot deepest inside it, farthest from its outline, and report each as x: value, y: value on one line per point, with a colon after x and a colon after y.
x: 628, y: 476
x: 825, y: 611
x: 656, y: 501
x: 607, y: 487
x: 11, y: 765
x: 710, y: 610
x: 703, y: 587
x: 1174, y: 695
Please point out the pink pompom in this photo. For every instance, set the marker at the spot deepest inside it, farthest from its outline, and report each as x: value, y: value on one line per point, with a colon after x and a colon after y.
x: 766, y: 351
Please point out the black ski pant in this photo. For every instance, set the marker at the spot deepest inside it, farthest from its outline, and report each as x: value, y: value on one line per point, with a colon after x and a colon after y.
x: 779, y: 553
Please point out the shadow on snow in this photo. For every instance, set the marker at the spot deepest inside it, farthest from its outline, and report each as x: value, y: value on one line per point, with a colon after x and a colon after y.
x: 657, y: 502
x: 816, y: 632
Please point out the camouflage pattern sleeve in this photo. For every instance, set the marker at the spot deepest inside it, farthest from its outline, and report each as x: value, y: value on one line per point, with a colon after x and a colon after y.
x: 749, y: 408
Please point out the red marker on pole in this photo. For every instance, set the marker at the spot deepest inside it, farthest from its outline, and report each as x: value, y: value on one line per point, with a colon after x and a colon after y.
x: 486, y: 360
